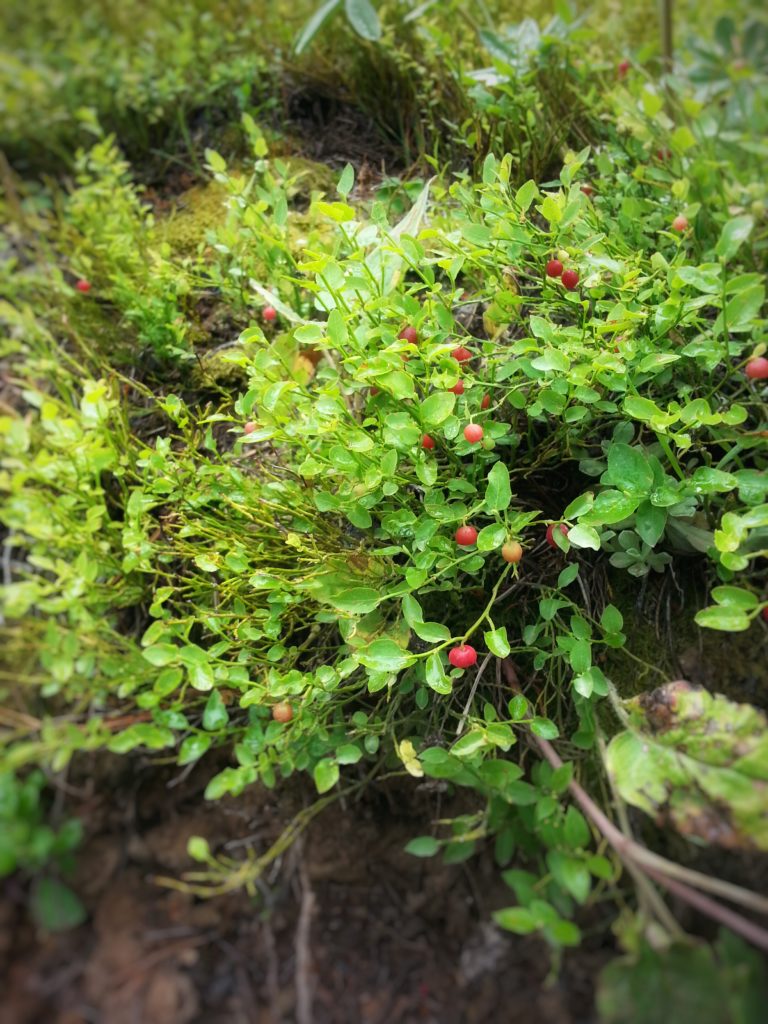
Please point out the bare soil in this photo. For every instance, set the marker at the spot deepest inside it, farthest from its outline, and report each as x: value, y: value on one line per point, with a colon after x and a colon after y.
x: 347, y: 928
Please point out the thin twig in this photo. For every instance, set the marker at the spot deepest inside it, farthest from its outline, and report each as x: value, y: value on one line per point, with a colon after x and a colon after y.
x: 629, y: 849
x: 475, y: 684
x: 303, y: 973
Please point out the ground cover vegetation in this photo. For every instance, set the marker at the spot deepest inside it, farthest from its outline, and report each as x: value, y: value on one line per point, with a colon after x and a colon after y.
x: 310, y: 469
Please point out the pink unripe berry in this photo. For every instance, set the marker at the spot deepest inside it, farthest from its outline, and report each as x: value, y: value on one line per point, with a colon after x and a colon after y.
x: 757, y: 369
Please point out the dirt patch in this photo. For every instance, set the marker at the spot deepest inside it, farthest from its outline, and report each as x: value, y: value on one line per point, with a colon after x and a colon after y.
x: 347, y: 924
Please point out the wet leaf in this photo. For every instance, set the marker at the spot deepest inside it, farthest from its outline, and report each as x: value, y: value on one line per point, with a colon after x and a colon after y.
x: 697, y: 761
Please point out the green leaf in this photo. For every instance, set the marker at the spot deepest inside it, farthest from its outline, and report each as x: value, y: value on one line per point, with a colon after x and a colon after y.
x: 435, y: 674
x: 516, y: 919
x: 348, y: 753
x: 160, y: 654
x: 491, y: 537
x: 338, y: 212
x: 498, y: 494
x: 357, y: 600
x: 564, y: 933
x: 230, y: 780
x: 423, y: 846
x: 518, y: 708
x: 576, y: 829
x: 611, y: 620
x: 55, y: 907
x: 399, y: 383
x: 644, y: 409
x: 496, y: 642
x: 432, y: 632
x: 199, y: 849
x: 325, y: 774
x: 544, y: 728
x: 611, y: 507
x: 412, y: 612
x: 727, y: 618
x: 363, y: 19
x: 584, y: 537
x: 201, y: 677
x: 699, y: 762
x: 735, y: 232
x: 385, y: 655
x: 650, y: 522
x: 735, y: 597
x: 579, y: 506
x: 567, y: 576
x: 346, y: 183
x: 571, y: 873
x: 167, y: 681
x: 713, y: 481
x: 526, y: 194
x: 469, y: 743
x: 193, y: 748
x: 741, y: 310
x: 215, y: 714
x: 313, y: 25
x: 552, y: 359
x: 628, y: 469
x: 437, y: 408
x: 600, y: 867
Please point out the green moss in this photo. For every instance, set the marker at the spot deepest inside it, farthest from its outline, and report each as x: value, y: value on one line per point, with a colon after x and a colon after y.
x: 195, y: 212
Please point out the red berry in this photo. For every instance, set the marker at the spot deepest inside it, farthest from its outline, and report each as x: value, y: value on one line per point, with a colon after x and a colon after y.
x: 427, y: 441
x: 622, y: 68
x: 462, y: 657
x: 409, y: 334
x: 466, y: 536
x: 374, y: 391
x: 461, y: 354
x: 551, y: 533
x: 485, y: 402
x: 663, y: 153
x: 680, y: 223
x: 757, y: 369
x: 269, y: 313
x: 554, y: 268
x: 249, y: 427
x: 588, y: 190
x: 570, y: 279
x: 282, y: 712
x: 473, y: 433
x: 764, y: 613
x: 458, y: 388
x: 82, y: 285
x: 512, y: 552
